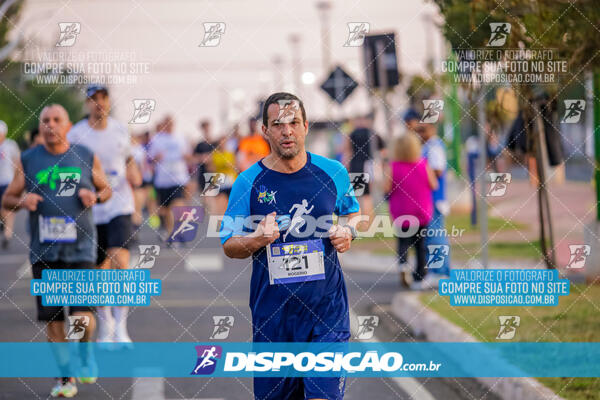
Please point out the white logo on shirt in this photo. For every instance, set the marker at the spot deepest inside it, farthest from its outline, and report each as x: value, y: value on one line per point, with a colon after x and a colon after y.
x: 298, y: 221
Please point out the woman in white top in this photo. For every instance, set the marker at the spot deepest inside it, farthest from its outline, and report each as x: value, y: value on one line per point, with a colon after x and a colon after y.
x: 170, y: 155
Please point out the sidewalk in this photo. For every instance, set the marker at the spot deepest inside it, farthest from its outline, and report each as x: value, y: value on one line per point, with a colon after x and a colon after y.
x: 424, y: 322
x: 572, y: 204
x: 362, y: 260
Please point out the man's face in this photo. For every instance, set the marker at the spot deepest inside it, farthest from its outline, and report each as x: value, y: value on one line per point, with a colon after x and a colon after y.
x: 425, y: 131
x: 286, y: 136
x: 98, y: 105
x: 54, y: 125
x: 411, y: 124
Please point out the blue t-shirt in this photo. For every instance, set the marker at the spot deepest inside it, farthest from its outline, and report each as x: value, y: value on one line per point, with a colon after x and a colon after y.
x: 434, y: 151
x: 319, y: 189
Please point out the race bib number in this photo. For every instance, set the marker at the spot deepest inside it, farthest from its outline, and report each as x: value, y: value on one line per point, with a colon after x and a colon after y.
x: 57, y: 229
x: 296, y: 261
x: 113, y: 178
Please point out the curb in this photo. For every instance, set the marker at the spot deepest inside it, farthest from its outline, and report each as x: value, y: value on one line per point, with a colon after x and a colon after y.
x: 428, y: 324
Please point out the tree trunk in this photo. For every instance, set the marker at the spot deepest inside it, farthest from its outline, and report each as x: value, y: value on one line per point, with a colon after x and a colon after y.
x: 541, y: 157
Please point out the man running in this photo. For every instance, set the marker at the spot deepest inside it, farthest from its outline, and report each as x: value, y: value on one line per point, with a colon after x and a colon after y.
x: 9, y: 157
x: 35, y: 189
x: 434, y: 151
x: 288, y: 305
x: 252, y: 147
x: 110, y: 141
x: 170, y: 154
x: 141, y: 194
x: 203, y: 152
x: 361, y: 145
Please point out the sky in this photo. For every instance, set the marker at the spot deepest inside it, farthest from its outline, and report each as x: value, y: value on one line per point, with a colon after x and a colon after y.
x: 223, y: 83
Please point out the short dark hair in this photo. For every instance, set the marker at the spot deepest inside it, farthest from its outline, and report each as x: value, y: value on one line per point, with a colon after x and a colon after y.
x: 274, y: 98
x: 34, y: 132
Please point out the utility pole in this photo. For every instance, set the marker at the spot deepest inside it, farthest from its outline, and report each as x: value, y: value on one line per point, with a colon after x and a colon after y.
x: 277, y: 61
x: 324, y: 7
x: 483, y: 178
x: 294, y: 39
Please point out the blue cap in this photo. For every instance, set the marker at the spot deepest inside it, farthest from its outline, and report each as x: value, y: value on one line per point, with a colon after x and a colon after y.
x: 93, y: 89
x: 411, y: 114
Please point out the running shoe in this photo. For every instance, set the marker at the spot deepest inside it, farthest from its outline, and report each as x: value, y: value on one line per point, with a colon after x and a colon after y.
x: 66, y: 389
x: 154, y: 222
x: 89, y: 374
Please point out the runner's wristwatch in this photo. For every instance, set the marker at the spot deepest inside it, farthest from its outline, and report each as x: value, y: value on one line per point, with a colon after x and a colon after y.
x: 352, y: 231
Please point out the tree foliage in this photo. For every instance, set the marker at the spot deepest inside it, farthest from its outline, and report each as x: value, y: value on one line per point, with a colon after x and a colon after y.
x: 21, y: 98
x: 572, y: 28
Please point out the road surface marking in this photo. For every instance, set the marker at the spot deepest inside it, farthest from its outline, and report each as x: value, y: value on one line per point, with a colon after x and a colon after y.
x: 204, y: 262
x: 12, y: 258
x: 24, y: 271
x: 410, y: 386
x: 148, y: 389
x: 368, y: 262
x: 153, y: 388
x: 27, y: 304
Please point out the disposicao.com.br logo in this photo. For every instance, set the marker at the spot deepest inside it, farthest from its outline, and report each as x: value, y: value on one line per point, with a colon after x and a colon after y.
x: 313, y: 362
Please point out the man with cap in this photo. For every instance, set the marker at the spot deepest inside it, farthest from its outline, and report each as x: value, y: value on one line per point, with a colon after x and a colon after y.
x: 9, y: 157
x: 111, y: 142
x: 411, y: 119
x: 434, y: 150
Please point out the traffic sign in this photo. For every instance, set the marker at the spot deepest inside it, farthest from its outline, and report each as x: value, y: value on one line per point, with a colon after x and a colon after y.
x: 381, y: 62
x: 339, y: 85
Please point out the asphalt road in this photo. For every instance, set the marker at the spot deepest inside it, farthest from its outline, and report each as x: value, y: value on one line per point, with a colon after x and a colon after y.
x: 199, y: 282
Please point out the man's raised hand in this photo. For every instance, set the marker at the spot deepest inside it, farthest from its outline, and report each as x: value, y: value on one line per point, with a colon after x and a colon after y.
x: 267, y: 229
